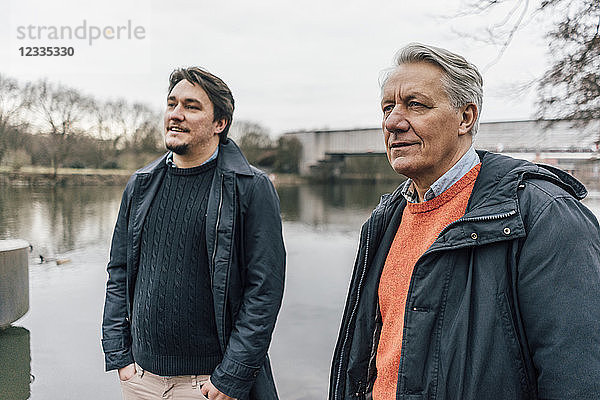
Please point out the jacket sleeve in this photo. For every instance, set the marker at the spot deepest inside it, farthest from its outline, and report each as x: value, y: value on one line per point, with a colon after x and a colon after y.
x: 559, y: 298
x: 262, y: 295
x: 116, y: 334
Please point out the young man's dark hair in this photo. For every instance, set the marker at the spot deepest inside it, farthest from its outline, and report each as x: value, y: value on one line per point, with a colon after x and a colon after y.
x: 218, y: 92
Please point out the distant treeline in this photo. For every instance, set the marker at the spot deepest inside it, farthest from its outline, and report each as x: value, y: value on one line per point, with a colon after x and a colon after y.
x: 49, y: 124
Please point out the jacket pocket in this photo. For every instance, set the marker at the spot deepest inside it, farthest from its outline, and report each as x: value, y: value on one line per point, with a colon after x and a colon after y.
x: 512, y: 340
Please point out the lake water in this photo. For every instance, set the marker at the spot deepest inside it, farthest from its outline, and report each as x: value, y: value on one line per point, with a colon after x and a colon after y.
x: 54, y: 351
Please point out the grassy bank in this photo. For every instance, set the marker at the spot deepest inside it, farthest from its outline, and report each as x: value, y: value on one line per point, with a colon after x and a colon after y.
x: 44, y: 176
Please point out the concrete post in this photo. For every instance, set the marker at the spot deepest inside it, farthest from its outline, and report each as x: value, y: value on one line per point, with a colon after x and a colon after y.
x: 14, y: 280
x: 15, y: 363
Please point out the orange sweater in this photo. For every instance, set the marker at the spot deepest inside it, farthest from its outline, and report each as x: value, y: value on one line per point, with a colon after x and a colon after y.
x: 421, y: 224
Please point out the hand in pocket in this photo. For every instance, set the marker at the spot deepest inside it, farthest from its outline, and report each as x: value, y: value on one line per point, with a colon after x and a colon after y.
x: 127, y: 372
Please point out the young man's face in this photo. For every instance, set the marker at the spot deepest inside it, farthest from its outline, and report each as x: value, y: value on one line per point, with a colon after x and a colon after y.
x: 421, y: 128
x: 189, y: 125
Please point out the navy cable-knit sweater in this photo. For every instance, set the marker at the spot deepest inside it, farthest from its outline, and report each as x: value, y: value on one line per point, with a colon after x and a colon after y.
x: 173, y: 324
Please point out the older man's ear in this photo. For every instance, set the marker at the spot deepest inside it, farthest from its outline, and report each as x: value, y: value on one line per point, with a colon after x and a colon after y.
x: 469, y: 114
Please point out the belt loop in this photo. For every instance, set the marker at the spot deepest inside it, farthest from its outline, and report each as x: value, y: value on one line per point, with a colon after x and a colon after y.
x: 194, y: 381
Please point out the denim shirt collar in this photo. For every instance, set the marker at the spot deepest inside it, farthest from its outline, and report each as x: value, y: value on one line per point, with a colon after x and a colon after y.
x: 469, y: 160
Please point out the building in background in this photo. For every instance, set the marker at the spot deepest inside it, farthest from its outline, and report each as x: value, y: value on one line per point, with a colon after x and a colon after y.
x: 349, y: 154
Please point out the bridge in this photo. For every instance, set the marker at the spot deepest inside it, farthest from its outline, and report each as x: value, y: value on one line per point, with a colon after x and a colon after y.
x: 562, y: 142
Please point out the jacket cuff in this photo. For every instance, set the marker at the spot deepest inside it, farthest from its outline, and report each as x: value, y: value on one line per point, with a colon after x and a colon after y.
x: 118, y: 359
x: 117, y: 353
x: 234, y: 378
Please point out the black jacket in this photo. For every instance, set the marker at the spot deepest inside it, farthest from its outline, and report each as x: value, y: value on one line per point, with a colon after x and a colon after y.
x: 247, y: 266
x: 504, y: 305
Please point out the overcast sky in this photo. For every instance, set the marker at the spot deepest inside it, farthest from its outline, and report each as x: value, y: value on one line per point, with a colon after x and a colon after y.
x: 290, y: 64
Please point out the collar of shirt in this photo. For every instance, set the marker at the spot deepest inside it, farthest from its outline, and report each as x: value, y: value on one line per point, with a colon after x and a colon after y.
x: 171, y: 163
x: 453, y: 175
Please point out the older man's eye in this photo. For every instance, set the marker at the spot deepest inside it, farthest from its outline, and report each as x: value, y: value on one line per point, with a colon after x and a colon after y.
x: 416, y: 104
x: 388, y: 109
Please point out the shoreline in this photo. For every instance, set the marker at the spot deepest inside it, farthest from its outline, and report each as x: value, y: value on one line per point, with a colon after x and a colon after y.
x: 43, y: 176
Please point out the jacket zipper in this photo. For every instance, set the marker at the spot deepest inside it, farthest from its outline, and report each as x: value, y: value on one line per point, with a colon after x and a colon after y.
x: 216, y: 230
x: 489, y: 217
x: 468, y: 219
x: 480, y: 219
x: 354, y: 308
x: 233, y: 227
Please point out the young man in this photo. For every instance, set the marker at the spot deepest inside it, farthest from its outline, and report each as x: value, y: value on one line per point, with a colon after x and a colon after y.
x: 196, y: 269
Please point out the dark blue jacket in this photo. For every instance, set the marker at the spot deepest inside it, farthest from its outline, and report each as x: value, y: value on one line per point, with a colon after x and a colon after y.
x: 247, y: 267
x: 505, y: 304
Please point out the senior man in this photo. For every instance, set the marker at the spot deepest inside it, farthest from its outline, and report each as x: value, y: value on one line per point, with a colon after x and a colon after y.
x: 479, y: 277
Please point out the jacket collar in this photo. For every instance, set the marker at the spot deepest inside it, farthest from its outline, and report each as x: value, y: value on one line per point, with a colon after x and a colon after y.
x: 500, y: 176
x: 493, y: 205
x: 230, y: 159
x: 493, y: 211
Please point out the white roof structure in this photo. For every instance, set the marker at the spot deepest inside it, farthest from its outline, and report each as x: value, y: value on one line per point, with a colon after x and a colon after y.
x: 562, y: 138
x: 537, y: 136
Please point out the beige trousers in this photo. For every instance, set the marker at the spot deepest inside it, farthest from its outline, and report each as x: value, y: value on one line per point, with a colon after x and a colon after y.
x: 145, y: 385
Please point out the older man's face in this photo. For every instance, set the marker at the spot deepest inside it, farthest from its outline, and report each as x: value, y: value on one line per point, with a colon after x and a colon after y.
x: 420, y: 126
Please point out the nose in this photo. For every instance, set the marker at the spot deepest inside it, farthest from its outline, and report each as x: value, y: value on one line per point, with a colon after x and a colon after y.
x: 396, y: 121
x: 176, y: 113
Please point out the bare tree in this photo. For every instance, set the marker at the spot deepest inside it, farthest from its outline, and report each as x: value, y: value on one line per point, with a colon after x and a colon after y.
x: 13, y: 103
x: 120, y: 121
x: 253, y: 139
x: 570, y: 87
x: 289, y: 151
x: 62, y: 112
x: 147, y: 132
x: 101, y: 120
x: 129, y: 125
x: 69, y: 128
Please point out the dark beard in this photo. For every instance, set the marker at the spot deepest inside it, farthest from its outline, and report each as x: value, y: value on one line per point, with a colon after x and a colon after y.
x: 180, y: 150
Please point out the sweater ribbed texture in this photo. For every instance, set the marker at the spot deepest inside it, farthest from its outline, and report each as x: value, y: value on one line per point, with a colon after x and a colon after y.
x: 173, y: 325
x: 420, y: 226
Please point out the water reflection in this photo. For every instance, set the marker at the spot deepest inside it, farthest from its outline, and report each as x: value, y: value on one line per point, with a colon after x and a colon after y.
x: 57, y: 220
x: 329, y: 206
x: 15, y: 363
x: 321, y: 227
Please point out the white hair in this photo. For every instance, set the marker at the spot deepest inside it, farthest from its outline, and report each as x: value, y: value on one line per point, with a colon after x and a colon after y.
x: 461, y: 79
